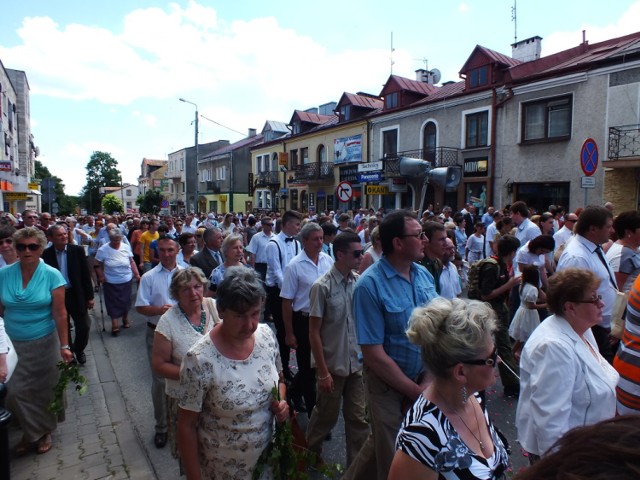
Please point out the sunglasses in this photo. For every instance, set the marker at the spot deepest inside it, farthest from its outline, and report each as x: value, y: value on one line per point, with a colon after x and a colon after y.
x: 22, y: 247
x: 357, y: 253
x: 6, y: 241
x: 596, y: 300
x: 490, y: 362
x: 421, y: 235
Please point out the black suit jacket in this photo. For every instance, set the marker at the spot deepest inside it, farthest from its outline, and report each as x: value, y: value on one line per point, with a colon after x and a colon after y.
x: 204, y: 261
x: 79, y: 275
x: 470, y: 221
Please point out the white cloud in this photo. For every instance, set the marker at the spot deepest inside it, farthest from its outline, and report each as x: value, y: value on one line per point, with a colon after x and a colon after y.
x: 626, y: 24
x: 146, y: 118
x: 463, y: 8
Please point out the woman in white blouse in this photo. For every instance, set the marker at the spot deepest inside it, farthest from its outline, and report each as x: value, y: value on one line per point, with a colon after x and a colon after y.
x: 564, y: 381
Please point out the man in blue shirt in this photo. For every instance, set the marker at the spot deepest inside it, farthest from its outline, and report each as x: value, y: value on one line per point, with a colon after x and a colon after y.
x: 383, y: 300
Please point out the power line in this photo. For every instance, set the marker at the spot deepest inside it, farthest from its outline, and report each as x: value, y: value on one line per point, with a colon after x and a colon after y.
x: 223, y: 126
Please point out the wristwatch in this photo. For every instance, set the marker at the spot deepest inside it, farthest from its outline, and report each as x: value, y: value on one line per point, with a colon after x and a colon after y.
x: 65, y: 347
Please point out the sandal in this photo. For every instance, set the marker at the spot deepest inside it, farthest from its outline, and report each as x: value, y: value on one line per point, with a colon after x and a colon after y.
x: 44, y: 444
x: 23, y: 448
x: 126, y: 325
x: 115, y: 332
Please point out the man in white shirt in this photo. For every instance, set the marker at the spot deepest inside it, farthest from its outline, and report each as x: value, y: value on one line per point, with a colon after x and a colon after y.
x: 304, y: 269
x: 593, y: 228
x: 153, y: 301
x: 490, y: 235
x: 280, y: 251
x: 527, y: 230
x: 563, y: 235
x: 257, y: 248
x: 189, y: 225
x: 450, y: 286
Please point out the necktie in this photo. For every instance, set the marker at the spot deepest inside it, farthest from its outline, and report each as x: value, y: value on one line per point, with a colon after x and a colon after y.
x: 218, y: 258
x: 289, y: 239
x: 606, y: 265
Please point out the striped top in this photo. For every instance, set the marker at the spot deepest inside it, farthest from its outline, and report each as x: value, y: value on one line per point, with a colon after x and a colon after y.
x: 627, y: 360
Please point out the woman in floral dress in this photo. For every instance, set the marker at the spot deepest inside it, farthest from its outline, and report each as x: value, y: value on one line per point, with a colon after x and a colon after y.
x: 227, y: 408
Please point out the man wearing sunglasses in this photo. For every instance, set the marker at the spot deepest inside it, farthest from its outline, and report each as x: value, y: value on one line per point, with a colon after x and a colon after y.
x: 336, y: 354
x: 383, y: 300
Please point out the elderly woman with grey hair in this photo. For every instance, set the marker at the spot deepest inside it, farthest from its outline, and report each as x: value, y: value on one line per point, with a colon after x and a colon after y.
x: 116, y: 269
x: 32, y: 304
x: 191, y: 318
x: 447, y: 433
x: 227, y: 407
x: 233, y: 253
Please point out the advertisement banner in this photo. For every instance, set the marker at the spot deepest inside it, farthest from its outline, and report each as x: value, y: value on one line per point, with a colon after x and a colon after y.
x: 347, y: 149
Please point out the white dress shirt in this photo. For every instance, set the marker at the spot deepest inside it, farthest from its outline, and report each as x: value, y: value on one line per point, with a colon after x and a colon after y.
x: 279, y: 254
x: 450, y: 286
x: 562, y: 236
x: 526, y: 231
x: 154, y: 289
x: 581, y: 253
x: 299, y: 275
x: 258, y: 246
x: 563, y: 384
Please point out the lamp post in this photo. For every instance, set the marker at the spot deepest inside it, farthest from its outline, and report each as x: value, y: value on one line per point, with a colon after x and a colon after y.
x: 196, y: 192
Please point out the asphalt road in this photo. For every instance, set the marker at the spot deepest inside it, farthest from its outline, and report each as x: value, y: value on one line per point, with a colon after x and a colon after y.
x: 128, y: 356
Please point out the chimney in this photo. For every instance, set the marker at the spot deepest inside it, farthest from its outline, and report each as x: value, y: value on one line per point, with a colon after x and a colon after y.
x: 252, y: 132
x: 527, y: 50
x: 422, y: 75
x: 312, y: 110
x: 327, y: 108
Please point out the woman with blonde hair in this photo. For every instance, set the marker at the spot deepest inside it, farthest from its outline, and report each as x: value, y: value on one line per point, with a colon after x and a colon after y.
x: 447, y: 433
x: 233, y: 253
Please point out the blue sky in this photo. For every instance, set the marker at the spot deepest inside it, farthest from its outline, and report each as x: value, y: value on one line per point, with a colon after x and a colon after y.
x: 108, y: 75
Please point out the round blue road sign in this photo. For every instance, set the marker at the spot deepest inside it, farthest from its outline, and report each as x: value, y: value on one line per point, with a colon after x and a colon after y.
x: 589, y: 157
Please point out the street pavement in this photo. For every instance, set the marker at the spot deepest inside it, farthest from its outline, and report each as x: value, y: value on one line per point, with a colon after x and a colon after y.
x: 108, y: 432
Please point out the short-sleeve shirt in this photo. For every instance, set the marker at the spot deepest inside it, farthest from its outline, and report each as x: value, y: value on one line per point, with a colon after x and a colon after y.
x: 330, y: 299
x: 299, y: 275
x: 428, y: 437
x: 154, y: 289
x: 28, y: 311
x: 493, y: 276
x: 630, y: 265
x: 145, y: 239
x: 382, y: 304
x: 117, y: 263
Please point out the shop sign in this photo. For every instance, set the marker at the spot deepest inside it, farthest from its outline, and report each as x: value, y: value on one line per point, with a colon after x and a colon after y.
x: 398, y: 185
x: 370, y: 167
x: 369, y: 177
x: 15, y: 195
x: 476, y: 167
x: 377, y: 190
x: 349, y: 174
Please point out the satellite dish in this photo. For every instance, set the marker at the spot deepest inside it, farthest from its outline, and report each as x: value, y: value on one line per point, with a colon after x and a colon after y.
x: 436, y: 75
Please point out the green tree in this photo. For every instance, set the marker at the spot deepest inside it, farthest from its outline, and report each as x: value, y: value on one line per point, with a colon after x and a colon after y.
x: 102, y: 171
x: 66, y: 204
x: 150, y: 201
x: 111, y: 204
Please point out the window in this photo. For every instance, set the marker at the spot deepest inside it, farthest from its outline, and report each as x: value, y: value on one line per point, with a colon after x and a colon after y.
x: 477, y: 129
x: 296, y: 127
x: 429, y: 142
x: 322, y: 154
x: 127, y: 193
x: 181, y: 164
x: 478, y: 77
x: 293, y: 158
x: 182, y: 183
x: 389, y: 142
x: 391, y: 100
x: 345, y: 113
x: 221, y: 173
x: 304, y: 154
x: 547, y: 119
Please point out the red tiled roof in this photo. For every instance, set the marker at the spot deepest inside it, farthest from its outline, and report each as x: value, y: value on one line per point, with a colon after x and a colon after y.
x: 492, y: 55
x: 408, y: 85
x: 364, y: 101
x: 308, y: 117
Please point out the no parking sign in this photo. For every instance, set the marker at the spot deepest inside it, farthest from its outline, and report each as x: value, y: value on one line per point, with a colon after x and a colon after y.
x: 589, y: 157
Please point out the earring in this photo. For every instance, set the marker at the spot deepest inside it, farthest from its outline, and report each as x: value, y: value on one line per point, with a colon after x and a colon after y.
x: 465, y: 395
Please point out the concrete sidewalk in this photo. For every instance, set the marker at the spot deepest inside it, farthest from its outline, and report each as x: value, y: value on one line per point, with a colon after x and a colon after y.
x: 97, y: 440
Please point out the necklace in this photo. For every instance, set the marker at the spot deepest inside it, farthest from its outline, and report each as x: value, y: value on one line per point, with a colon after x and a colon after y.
x: 482, y: 447
x: 203, y: 319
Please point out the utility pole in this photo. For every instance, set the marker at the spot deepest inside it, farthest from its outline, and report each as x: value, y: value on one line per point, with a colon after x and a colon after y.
x: 197, y: 186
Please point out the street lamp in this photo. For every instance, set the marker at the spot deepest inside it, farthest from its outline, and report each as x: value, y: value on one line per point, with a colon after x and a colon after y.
x: 197, y: 193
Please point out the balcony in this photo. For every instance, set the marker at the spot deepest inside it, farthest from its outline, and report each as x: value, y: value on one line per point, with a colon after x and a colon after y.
x: 624, y: 146
x: 440, y: 157
x: 174, y: 174
x: 268, y: 179
x: 213, y: 186
x: 312, y: 172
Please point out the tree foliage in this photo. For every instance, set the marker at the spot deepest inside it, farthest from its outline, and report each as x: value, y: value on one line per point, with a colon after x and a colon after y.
x: 66, y: 203
x: 102, y: 171
x: 150, y: 201
x: 111, y: 204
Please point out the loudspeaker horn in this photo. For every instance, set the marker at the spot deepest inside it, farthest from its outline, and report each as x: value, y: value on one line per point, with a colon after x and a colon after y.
x: 446, y: 177
x: 413, y: 167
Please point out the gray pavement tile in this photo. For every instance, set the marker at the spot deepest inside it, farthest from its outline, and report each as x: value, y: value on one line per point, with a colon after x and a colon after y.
x: 99, y: 471
x: 75, y: 473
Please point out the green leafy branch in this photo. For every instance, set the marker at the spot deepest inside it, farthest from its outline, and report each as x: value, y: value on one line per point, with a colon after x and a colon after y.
x: 287, y: 460
x: 68, y: 373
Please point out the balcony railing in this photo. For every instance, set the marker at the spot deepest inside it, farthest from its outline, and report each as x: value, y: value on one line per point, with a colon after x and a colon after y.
x: 266, y: 179
x: 313, y: 172
x: 439, y: 157
x: 213, y: 186
x: 624, y: 142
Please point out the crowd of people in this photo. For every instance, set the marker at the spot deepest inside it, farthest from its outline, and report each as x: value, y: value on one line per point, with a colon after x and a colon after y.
x: 374, y: 307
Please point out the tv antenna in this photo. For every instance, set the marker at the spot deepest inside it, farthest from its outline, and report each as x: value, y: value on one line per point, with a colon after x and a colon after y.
x: 424, y: 60
x: 391, y: 54
x: 514, y: 19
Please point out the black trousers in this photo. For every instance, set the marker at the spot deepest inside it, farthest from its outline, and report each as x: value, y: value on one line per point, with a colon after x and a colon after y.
x: 274, y: 305
x: 80, y: 318
x: 305, y: 381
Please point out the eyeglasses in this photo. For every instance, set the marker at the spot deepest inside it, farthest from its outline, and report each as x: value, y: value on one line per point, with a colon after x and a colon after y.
x: 22, y: 247
x: 6, y: 241
x: 596, y: 300
x: 569, y: 220
x: 267, y: 224
x: 357, y: 253
x: 421, y: 235
x: 489, y: 362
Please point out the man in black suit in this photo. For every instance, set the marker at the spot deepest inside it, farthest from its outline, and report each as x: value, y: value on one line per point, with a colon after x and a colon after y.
x: 210, y: 256
x: 470, y: 218
x: 72, y: 262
